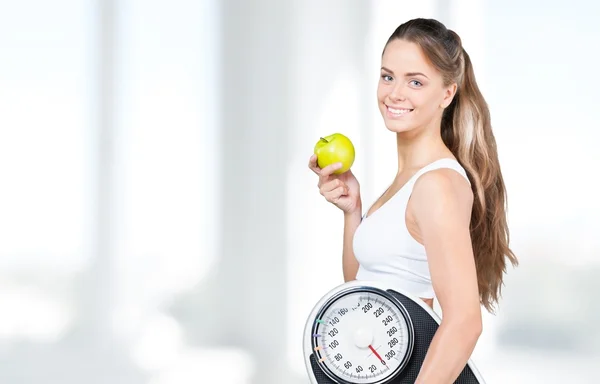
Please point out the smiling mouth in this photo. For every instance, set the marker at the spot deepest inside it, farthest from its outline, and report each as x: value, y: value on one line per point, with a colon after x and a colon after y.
x: 397, y: 112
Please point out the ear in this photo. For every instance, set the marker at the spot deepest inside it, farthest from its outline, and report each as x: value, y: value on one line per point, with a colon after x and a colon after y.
x: 449, y: 94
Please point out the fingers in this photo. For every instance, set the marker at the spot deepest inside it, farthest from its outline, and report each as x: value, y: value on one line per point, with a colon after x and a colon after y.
x: 325, y: 172
x: 334, y: 186
x: 312, y: 164
x: 328, y: 170
x: 332, y: 189
x: 336, y: 194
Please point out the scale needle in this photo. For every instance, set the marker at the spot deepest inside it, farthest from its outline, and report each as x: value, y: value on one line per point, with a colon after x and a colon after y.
x: 376, y: 354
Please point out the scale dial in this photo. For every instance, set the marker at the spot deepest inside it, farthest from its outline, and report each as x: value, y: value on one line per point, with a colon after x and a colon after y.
x: 362, y: 336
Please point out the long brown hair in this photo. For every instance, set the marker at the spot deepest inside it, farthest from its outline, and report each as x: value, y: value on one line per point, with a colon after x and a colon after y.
x: 466, y: 130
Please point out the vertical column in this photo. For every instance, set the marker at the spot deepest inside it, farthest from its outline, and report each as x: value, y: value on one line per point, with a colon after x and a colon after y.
x: 249, y: 287
x: 96, y: 297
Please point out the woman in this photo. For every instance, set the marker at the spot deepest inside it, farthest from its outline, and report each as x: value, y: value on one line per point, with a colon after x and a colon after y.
x: 439, y: 230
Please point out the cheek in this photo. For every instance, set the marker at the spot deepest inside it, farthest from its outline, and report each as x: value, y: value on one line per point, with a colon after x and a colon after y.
x: 428, y: 103
x: 380, y: 93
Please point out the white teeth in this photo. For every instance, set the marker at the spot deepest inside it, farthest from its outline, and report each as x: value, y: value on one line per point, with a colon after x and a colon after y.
x: 398, y: 111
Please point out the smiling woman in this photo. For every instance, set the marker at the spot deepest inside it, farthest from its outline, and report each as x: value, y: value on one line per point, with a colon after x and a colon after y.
x: 439, y: 231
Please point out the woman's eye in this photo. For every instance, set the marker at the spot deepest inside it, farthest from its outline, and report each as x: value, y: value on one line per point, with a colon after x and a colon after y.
x: 416, y: 83
x: 386, y: 77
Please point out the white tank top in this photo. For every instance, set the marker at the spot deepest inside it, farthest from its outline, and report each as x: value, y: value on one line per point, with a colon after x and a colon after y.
x: 385, y: 249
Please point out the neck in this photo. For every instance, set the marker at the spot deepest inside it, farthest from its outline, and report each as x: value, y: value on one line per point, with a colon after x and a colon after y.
x: 420, y: 147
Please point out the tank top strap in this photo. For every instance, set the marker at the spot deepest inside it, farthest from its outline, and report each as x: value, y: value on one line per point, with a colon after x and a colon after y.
x: 438, y: 164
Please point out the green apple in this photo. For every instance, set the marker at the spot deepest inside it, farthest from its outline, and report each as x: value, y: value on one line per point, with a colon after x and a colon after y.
x: 335, y: 148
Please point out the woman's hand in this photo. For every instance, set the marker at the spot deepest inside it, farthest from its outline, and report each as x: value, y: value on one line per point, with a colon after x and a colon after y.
x: 343, y: 190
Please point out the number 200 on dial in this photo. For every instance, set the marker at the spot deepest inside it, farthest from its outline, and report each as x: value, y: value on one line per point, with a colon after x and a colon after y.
x: 363, y: 336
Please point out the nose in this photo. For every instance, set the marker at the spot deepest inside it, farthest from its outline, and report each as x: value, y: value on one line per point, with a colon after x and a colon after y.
x: 397, y: 93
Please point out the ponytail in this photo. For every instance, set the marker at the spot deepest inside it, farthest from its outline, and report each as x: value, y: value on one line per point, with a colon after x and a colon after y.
x: 466, y: 130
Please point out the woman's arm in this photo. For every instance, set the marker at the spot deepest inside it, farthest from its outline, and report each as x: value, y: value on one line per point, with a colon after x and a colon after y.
x: 343, y: 191
x: 349, y: 262
x: 441, y: 207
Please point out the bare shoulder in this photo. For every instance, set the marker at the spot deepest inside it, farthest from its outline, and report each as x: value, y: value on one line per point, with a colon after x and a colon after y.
x: 443, y: 190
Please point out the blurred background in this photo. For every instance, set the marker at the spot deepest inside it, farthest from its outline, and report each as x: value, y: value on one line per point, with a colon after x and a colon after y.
x: 159, y: 224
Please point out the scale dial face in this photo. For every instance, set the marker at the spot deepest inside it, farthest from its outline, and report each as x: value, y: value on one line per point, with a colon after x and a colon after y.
x: 362, y: 336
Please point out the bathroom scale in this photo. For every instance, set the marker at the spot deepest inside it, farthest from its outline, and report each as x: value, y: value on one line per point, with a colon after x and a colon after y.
x: 364, y: 332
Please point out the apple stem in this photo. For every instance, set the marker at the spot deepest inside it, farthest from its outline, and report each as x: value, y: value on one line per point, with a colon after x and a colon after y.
x: 325, y: 140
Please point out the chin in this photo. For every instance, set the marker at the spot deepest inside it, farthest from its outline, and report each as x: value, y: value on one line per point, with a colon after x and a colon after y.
x: 398, y: 126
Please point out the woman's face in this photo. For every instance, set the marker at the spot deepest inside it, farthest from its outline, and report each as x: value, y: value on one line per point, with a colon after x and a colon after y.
x: 411, y: 92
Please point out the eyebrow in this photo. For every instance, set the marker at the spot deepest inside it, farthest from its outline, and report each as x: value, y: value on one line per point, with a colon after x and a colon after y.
x: 408, y: 74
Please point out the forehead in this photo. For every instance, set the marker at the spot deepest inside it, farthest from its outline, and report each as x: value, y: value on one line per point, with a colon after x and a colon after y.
x: 404, y: 56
